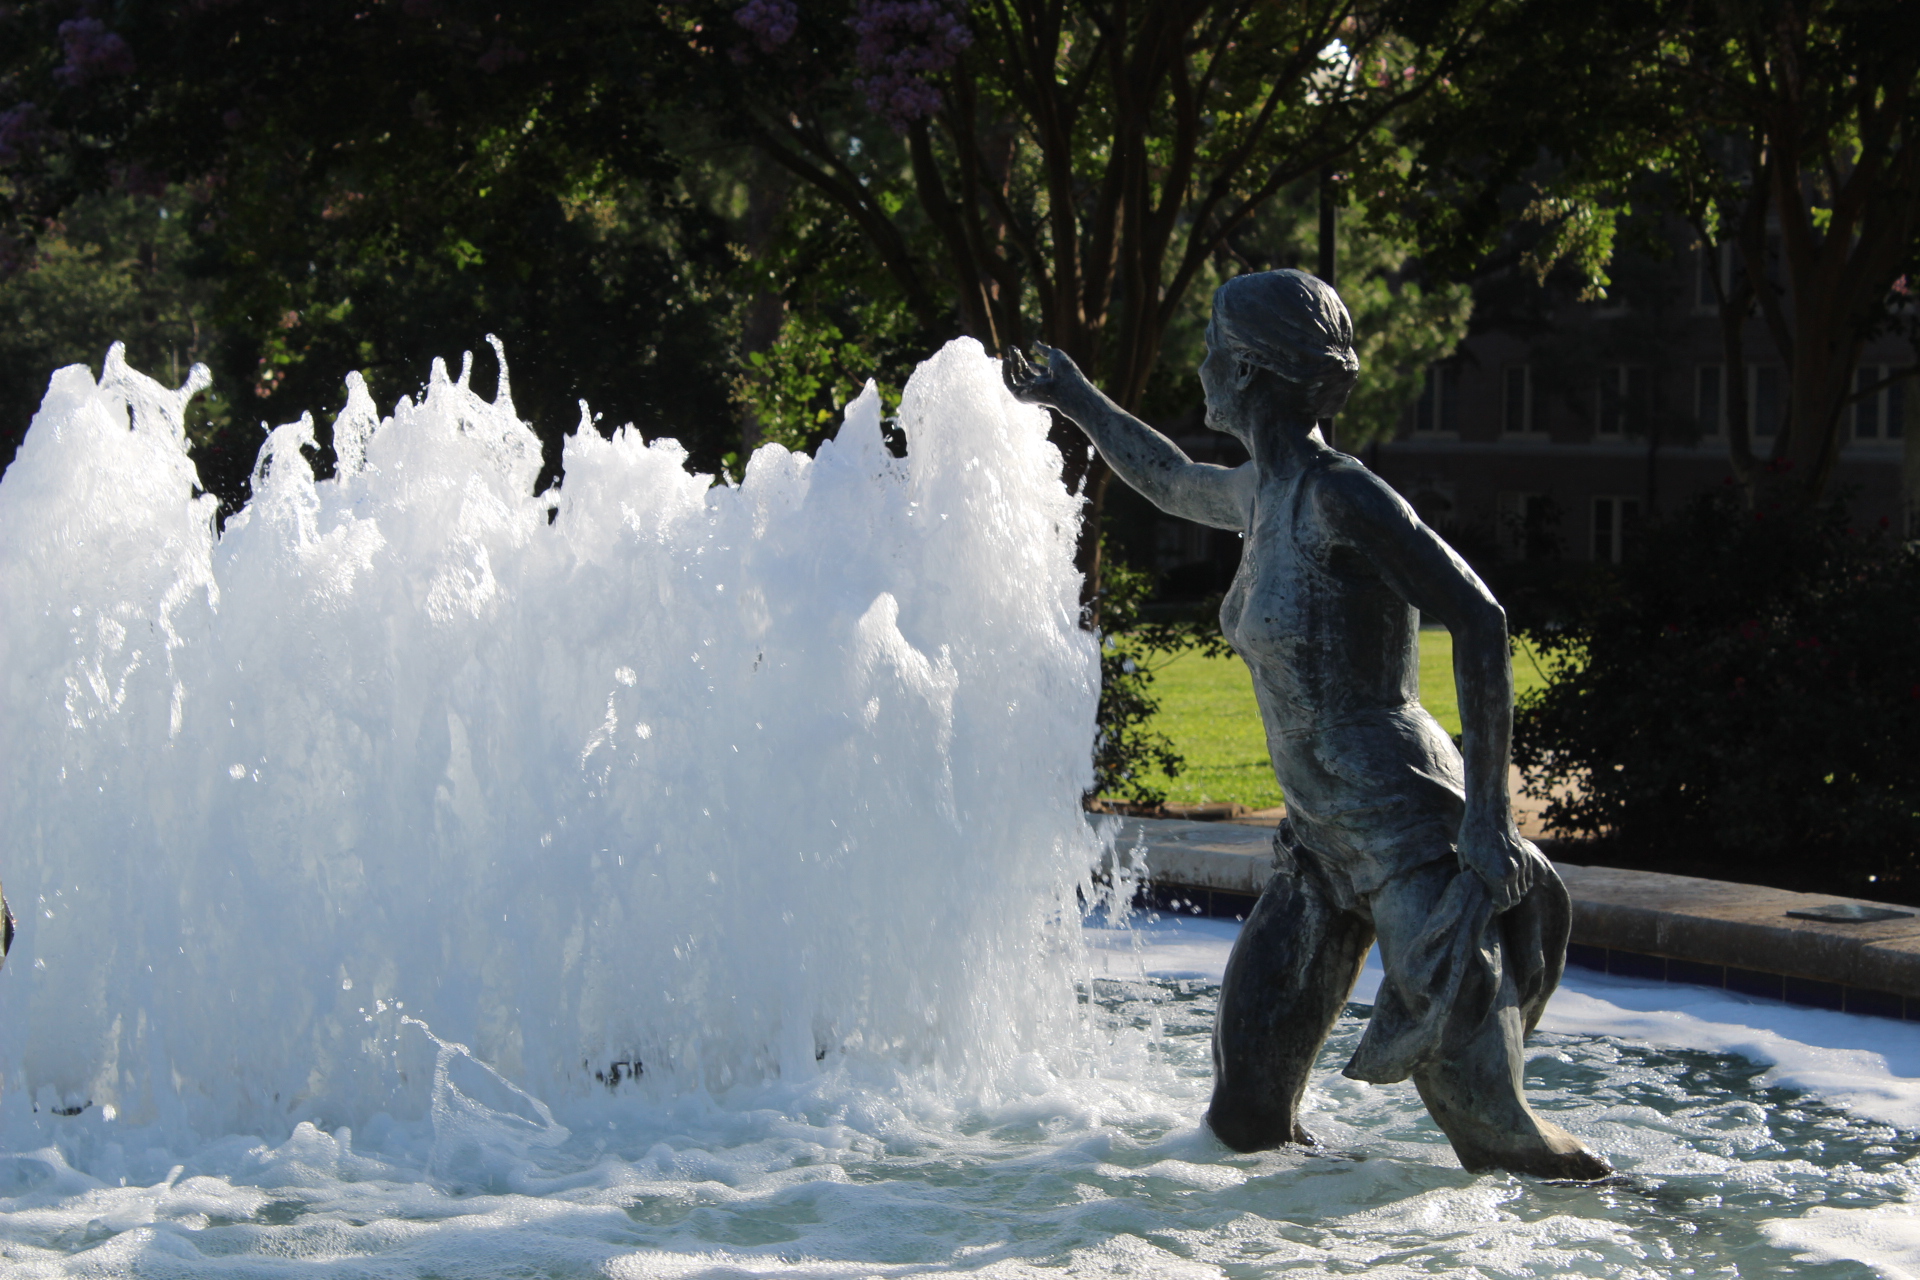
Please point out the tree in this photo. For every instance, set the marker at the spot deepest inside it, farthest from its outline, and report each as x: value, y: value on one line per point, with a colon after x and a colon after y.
x: 368, y: 185
x: 1783, y: 131
x: 1068, y: 172
x: 1810, y: 110
x: 113, y: 264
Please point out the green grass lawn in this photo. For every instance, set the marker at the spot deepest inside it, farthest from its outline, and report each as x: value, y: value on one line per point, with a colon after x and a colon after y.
x: 1207, y: 708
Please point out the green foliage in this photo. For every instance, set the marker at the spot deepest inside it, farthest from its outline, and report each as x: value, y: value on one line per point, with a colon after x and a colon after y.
x: 602, y: 287
x: 1130, y: 756
x: 114, y: 268
x: 430, y: 182
x: 797, y: 388
x: 1578, y: 230
x: 1065, y: 172
x: 1741, y: 695
x: 1402, y: 323
x: 1075, y: 173
x: 1785, y: 136
x: 1536, y: 145
x: 840, y: 323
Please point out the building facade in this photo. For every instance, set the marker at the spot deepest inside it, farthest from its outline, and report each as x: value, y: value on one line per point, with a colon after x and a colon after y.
x: 1553, y: 436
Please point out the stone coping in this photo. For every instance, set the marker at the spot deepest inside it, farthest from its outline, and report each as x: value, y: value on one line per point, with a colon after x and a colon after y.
x: 1198, y: 855
x: 1638, y: 923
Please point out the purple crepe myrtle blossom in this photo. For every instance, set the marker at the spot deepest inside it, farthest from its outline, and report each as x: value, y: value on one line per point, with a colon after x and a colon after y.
x: 19, y: 133
x: 92, y: 52
x: 771, y: 23
x: 902, y: 43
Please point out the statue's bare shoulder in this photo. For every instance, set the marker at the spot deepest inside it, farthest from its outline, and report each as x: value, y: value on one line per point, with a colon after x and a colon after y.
x: 1358, y: 507
x: 1361, y: 511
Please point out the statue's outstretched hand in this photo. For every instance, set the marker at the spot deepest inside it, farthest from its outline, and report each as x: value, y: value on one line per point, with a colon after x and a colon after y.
x: 1503, y: 861
x: 1031, y: 384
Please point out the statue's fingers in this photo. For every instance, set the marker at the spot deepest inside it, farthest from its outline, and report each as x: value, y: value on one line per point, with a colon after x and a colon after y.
x: 1013, y: 370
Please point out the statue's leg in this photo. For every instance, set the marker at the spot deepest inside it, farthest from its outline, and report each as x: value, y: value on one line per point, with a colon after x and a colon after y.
x: 1290, y: 973
x: 1475, y: 1087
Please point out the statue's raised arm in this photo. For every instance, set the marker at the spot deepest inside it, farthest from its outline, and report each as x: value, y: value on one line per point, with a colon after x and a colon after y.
x: 1145, y: 459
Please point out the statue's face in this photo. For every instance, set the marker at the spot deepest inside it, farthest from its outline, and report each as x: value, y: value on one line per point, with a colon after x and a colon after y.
x: 1218, y: 373
x: 1232, y: 408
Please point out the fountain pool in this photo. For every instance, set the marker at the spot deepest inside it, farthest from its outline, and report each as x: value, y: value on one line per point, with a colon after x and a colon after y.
x: 1729, y: 1166
x: 430, y: 878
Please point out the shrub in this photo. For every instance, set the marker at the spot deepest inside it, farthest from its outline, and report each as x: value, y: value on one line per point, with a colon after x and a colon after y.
x: 1741, y: 697
x: 1127, y: 755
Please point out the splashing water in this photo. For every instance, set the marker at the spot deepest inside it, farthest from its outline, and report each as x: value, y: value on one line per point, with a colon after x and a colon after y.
x: 642, y: 777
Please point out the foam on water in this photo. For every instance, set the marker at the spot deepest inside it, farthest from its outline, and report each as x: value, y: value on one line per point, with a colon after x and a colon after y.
x: 1107, y: 1174
x: 716, y: 785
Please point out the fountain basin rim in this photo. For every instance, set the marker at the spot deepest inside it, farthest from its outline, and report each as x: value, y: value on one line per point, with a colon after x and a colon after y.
x: 1642, y: 924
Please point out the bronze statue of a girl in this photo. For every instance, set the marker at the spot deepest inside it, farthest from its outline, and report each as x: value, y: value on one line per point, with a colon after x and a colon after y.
x: 1390, y: 833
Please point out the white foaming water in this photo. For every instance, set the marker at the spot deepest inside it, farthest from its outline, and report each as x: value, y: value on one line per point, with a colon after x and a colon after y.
x: 712, y: 785
x: 363, y: 852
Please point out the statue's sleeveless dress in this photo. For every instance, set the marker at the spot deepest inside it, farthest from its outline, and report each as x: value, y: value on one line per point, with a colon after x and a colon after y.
x: 1376, y: 796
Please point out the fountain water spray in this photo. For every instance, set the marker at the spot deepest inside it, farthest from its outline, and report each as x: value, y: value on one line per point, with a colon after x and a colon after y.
x: 642, y: 782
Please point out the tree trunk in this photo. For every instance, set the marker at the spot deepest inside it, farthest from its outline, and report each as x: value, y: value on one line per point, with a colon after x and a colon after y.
x: 766, y: 310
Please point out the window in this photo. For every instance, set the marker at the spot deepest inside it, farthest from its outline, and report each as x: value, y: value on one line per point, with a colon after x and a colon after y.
x: 1516, y: 400
x: 1709, y: 398
x: 1433, y: 502
x: 1734, y: 272
x: 1879, y: 416
x: 1614, y: 520
x: 1528, y: 526
x: 1439, y: 407
x: 1866, y: 410
x: 1711, y: 261
x: 1179, y: 542
x: 1623, y: 396
x: 1766, y: 400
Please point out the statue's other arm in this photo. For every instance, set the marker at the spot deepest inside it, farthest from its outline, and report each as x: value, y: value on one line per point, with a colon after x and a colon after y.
x: 1362, y: 512
x: 1151, y: 463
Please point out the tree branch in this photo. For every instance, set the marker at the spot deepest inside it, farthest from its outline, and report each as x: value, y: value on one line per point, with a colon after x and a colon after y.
x: 879, y: 228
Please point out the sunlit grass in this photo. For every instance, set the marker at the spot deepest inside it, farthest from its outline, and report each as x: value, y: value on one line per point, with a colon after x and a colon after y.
x: 1207, y: 708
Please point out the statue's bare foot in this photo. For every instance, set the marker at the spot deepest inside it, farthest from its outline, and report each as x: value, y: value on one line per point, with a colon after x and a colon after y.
x: 1549, y: 1152
x: 1258, y: 1131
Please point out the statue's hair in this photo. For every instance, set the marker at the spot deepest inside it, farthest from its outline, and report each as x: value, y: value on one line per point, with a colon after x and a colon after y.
x: 1291, y: 324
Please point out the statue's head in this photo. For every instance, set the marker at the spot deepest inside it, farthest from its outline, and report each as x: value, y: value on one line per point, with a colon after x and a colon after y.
x: 1285, y: 329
